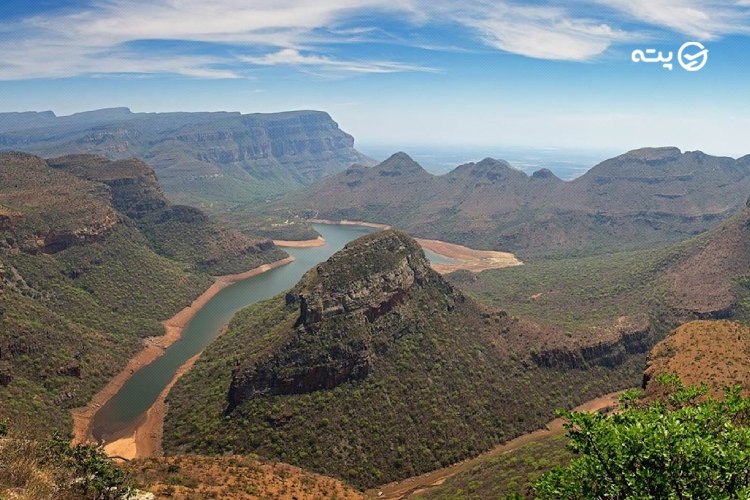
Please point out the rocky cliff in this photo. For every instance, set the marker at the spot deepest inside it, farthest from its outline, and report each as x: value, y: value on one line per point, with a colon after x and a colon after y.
x: 212, y: 160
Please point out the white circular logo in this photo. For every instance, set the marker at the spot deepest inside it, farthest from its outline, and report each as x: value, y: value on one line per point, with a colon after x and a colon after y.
x: 692, y: 62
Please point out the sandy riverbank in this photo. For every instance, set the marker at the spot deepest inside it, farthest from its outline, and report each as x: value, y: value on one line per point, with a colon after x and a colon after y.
x: 155, y: 346
x: 408, y: 488
x: 465, y: 257
x: 468, y: 258
x: 317, y: 242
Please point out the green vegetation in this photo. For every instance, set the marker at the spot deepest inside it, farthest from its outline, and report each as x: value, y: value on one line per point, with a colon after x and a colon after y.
x: 185, y: 234
x: 578, y: 294
x: 49, y: 467
x: 679, y: 449
x: 509, y: 475
x: 80, y: 283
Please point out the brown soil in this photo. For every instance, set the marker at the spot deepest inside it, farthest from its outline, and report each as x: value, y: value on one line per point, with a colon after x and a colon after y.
x: 468, y: 258
x: 82, y: 417
x: 409, y: 488
x: 713, y: 352
x: 317, y: 242
x: 235, y: 477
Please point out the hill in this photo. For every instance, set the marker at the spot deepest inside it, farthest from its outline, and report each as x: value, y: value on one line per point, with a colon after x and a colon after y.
x: 641, y: 199
x: 216, y: 161
x: 373, y: 368
x: 80, y: 283
x: 716, y: 353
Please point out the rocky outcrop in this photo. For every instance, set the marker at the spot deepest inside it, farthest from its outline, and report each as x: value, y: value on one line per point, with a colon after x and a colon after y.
x: 338, y: 301
x: 629, y: 336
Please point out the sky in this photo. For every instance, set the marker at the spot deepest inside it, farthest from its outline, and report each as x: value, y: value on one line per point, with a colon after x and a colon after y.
x: 434, y: 73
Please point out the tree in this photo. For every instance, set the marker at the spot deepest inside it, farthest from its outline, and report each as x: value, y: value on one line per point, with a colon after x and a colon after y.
x: 687, y: 447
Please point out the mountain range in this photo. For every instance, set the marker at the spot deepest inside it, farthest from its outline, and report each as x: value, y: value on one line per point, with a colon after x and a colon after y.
x: 217, y: 160
x: 640, y: 199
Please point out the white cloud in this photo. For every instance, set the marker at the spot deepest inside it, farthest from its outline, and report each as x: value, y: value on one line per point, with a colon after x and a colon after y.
x: 99, y: 38
x: 293, y: 57
x: 704, y: 20
x: 541, y: 32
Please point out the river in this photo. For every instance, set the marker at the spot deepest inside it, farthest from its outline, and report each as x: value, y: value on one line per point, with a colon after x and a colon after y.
x: 141, y: 390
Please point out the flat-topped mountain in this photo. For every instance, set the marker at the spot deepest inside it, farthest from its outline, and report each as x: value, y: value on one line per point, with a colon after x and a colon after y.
x: 92, y: 258
x: 218, y: 159
x: 373, y: 368
x: 643, y: 198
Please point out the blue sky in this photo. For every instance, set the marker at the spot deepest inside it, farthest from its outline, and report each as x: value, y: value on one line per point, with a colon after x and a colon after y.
x: 430, y: 72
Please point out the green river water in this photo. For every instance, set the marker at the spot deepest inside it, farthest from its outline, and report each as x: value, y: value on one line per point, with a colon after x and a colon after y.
x: 142, y: 389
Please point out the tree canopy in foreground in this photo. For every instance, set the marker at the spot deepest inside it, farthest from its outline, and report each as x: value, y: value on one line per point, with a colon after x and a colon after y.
x: 687, y: 447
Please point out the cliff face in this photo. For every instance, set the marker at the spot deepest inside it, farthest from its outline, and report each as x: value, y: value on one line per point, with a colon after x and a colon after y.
x: 134, y: 188
x: 351, y: 291
x: 223, y: 159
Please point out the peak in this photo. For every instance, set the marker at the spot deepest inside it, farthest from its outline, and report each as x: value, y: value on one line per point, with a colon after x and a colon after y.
x: 492, y: 163
x: 544, y: 173
x: 398, y: 164
x: 653, y: 154
x: 399, y: 157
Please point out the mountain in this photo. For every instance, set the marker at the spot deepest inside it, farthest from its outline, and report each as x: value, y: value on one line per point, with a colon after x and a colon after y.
x: 81, y: 282
x: 373, y: 368
x: 216, y: 160
x: 640, y: 199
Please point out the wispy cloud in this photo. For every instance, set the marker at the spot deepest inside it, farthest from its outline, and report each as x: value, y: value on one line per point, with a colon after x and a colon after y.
x: 292, y: 57
x: 99, y: 39
x: 704, y: 20
x: 541, y: 32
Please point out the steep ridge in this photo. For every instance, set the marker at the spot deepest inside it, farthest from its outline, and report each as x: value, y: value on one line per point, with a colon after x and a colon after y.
x: 373, y: 368
x: 219, y: 160
x: 641, y: 199
x: 177, y: 232
x: 80, y: 286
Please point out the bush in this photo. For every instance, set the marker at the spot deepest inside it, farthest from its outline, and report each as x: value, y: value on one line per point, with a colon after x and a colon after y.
x: 687, y: 447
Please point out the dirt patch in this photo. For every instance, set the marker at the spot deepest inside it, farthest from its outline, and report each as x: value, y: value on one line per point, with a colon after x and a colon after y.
x: 468, y: 258
x: 409, y: 488
x: 235, y: 477
x: 317, y: 242
x: 155, y: 346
